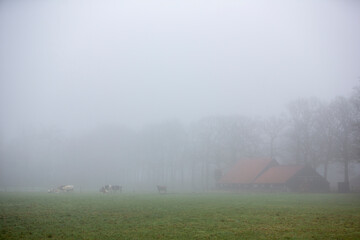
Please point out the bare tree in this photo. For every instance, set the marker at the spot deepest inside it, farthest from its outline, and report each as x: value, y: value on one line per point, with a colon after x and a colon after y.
x: 303, y: 118
x: 345, y: 117
x: 325, y: 137
x: 220, y: 141
x: 355, y: 100
x: 272, y: 128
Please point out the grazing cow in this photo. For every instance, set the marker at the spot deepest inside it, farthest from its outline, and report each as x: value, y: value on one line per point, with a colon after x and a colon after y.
x: 110, y: 188
x: 161, y: 189
x: 66, y: 188
x: 103, y: 190
x: 53, y: 190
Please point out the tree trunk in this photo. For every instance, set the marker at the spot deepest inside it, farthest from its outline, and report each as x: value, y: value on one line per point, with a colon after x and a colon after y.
x: 346, y: 163
x: 207, y: 175
x: 193, y: 175
x: 346, y: 171
x: 326, y: 165
x: 297, y: 150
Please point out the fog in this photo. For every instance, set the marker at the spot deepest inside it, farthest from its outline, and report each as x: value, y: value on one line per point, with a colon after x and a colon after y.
x: 135, y: 92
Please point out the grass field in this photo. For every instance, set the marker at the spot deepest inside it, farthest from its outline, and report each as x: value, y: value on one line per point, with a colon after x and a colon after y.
x: 179, y: 216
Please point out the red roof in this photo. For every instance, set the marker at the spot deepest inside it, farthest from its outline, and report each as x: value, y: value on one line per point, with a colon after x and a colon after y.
x: 246, y: 171
x: 278, y: 174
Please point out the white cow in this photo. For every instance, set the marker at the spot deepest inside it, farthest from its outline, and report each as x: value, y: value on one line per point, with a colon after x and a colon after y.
x: 53, y: 190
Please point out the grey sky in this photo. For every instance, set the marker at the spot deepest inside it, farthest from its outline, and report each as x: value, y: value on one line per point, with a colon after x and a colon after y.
x: 77, y: 64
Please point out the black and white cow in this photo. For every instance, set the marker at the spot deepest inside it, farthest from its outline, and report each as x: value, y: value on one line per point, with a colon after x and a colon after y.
x: 62, y: 188
x: 103, y: 190
x: 110, y: 188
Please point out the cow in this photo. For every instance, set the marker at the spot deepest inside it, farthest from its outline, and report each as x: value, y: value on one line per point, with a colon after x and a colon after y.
x: 66, y: 188
x: 53, y: 190
x: 110, y: 188
x: 103, y: 190
x: 161, y: 189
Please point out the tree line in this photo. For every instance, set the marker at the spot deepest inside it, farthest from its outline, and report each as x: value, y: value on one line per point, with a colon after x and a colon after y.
x: 310, y: 132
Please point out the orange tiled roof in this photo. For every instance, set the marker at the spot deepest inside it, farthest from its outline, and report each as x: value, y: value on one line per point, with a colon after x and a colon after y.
x: 246, y: 171
x: 278, y: 174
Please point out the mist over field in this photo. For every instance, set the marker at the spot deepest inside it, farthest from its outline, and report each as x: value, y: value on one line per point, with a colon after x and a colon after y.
x: 145, y: 93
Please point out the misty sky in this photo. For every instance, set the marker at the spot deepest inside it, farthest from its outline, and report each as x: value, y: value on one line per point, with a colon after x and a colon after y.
x: 78, y: 64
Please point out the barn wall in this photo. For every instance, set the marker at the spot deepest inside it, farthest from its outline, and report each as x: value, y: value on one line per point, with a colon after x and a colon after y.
x: 308, y: 180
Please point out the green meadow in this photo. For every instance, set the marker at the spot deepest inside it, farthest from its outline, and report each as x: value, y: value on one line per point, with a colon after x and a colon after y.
x: 179, y: 216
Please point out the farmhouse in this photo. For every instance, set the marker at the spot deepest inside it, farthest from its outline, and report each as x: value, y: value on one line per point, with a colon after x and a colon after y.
x: 267, y: 174
x: 243, y: 174
x: 295, y: 178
